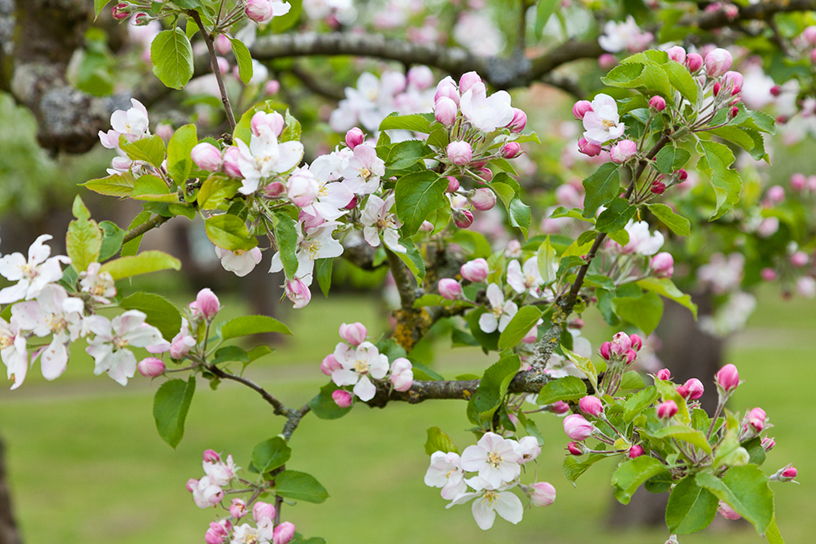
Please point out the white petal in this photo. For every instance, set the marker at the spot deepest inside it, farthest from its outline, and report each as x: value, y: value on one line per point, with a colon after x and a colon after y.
x: 364, y: 389
x: 509, y: 507
x: 483, y: 513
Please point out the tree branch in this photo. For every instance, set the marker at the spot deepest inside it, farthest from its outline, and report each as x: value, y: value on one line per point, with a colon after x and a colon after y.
x: 214, y: 65
x: 279, y: 407
x: 155, y: 221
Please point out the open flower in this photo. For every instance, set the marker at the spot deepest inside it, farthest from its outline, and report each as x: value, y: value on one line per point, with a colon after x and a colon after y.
x: 603, y: 122
x: 489, y: 502
x: 626, y: 35
x: 317, y: 243
x: 356, y: 367
x: 641, y: 241
x: 132, y: 124
x: 108, y: 346
x: 379, y: 221
x: 496, y: 459
x: 527, y: 279
x: 501, y: 312
x: 364, y: 170
x: 446, y: 473
x: 220, y: 472
x: 239, y: 262
x: 100, y: 285
x: 265, y: 156
x: 31, y: 275
x: 13, y: 351
x: 484, y: 112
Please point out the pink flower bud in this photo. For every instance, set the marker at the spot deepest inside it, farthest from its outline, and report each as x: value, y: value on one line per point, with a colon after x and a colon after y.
x: 768, y: 274
x: 658, y: 103
x: 677, y: 54
x: 574, y: 448
x: 511, y: 150
x: 272, y: 122
x: 271, y: 87
x: 141, y: 19
x: 420, y: 77
x: 467, y: 81
x: 207, y: 157
x: 681, y: 174
x: 694, y: 62
x: 214, y: 536
x: 727, y: 512
x: 192, y: 485
x: 581, y: 108
x: 330, y: 364
x: 354, y: 137
x: 607, y: 61
x: 813, y: 56
x: 355, y: 334
x: 453, y: 185
x: 635, y: 451
x: 120, y: 11
x: 718, y: 62
x: 776, y: 194
x: 485, y: 173
x: 207, y: 303
x: 591, y: 406
x: 734, y: 80
x: 806, y: 287
x: 460, y: 153
x: 695, y: 387
x: 663, y: 374
x: 776, y: 90
x: 238, y: 509
x: 588, y: 148
x: 402, y: 375
x: 789, y: 473
x: 211, y: 456
x: 222, y: 44
x: 577, y: 427
x: 263, y: 510
x: 636, y: 342
x: 621, y: 343
x: 734, y: 111
x: 559, y: 407
x: 450, y: 289
x: 475, y: 270
x: 623, y: 151
x: 810, y: 35
x: 658, y: 187
x: 298, y: 292
x: 666, y: 410
x: 483, y: 199
x: 542, y: 494
x: 223, y: 65
x: 727, y: 378
x: 798, y: 182
x: 799, y: 259
x: 683, y: 391
x: 519, y: 121
x: 342, y: 398
x: 606, y: 350
x: 757, y: 419
x: 445, y: 111
x: 150, y: 367
x: 447, y: 89
x: 259, y: 11
x: 768, y: 443
x: 302, y: 188
x: 165, y: 131
x: 631, y: 355
x: 662, y: 265
x: 463, y: 219
x: 283, y: 533
x: 717, y: 87
x: 231, y: 167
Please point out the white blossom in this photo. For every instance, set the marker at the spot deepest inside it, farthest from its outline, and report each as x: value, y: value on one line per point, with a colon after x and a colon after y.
x: 31, y: 275
x: 500, y: 313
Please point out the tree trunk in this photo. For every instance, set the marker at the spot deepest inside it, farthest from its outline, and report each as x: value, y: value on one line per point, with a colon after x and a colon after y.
x: 689, y: 353
x: 8, y: 529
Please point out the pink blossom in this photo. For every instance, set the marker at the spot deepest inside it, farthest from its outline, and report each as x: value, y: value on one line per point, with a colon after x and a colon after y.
x: 663, y: 374
x: 475, y: 270
x: 239, y: 262
x: 355, y: 333
x: 727, y: 512
x: 483, y: 199
x: 581, y: 108
x: 591, y: 406
x: 635, y: 451
x: 694, y: 62
x: 151, y: 367
x: 283, y: 533
x: 32, y: 274
x: 542, y: 494
x: 263, y: 510
x: 259, y: 11
x: 575, y: 448
x: 603, y: 122
x: 658, y: 103
x: 207, y: 303
x: 577, y: 427
x: 354, y: 137
x: 402, y: 374
x: 272, y: 122
x: 459, y: 153
x: 727, y: 378
x: 494, y: 458
x: 695, y: 388
x: 298, y: 292
x: 487, y: 113
x: 511, y: 150
x: 450, y: 289
x: 238, y: 509
x: 342, y: 398
x: 468, y: 80
x: 445, y: 472
x: 667, y: 409
x: 677, y: 54
x: 718, y: 62
x: 358, y: 367
x: 588, y: 148
x: 623, y: 151
x: 445, y: 111
x: 662, y: 265
x: 329, y: 364
x: 518, y: 122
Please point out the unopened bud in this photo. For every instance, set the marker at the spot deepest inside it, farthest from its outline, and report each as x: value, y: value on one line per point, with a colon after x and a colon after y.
x: 635, y: 451
x: 151, y: 367
x: 330, y: 364
x: 463, y: 218
x: 541, y: 494
x: 666, y: 410
x: 559, y: 407
x: 120, y: 11
x: 459, y: 153
x: 577, y: 427
x: 263, y: 510
x: 483, y: 199
x: 727, y: 378
x: 695, y: 388
x: 658, y: 103
x: 591, y: 406
x: 581, y: 108
x: 445, y: 111
x: 694, y: 62
x: 283, y: 533
x: 207, y: 157
x: 450, y: 289
x: 342, y: 398
x: 238, y: 509
x: 354, y: 137
x: 355, y: 333
x: 575, y: 449
x: 511, y: 150
x: 663, y: 374
x: 475, y: 270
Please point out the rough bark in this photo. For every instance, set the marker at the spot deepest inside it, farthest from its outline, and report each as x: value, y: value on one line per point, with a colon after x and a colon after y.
x: 8, y: 528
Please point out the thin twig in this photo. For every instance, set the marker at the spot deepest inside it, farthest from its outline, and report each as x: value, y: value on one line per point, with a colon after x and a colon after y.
x: 155, y: 221
x: 214, y: 64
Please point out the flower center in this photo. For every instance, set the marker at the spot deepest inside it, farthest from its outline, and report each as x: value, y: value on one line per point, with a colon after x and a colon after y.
x: 6, y: 341
x: 29, y: 270
x: 56, y: 323
x: 365, y: 173
x: 250, y: 538
x: 312, y: 247
x: 494, y: 459
x: 98, y: 290
x: 490, y: 497
x: 608, y: 123
x: 120, y: 343
x: 360, y: 367
x: 498, y: 311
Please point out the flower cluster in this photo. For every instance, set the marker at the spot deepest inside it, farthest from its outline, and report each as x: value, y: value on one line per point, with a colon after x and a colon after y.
x: 625, y: 36
x: 498, y: 464
x: 358, y: 363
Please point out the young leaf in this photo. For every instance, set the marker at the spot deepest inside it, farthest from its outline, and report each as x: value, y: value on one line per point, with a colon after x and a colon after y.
x: 671, y: 158
x: 524, y: 320
x: 160, y: 312
x: 566, y: 388
x: 229, y: 232
x: 439, y: 441
x: 677, y: 223
x: 118, y: 185
x: 112, y: 237
x: 170, y: 406
x: 601, y: 187
x: 544, y: 11
x: 286, y: 235
x: 150, y: 149
x: 252, y: 324
x: 300, y: 486
x: 492, y: 389
x: 631, y: 474
x: 666, y: 288
x: 244, y: 59
x: 84, y: 239
x: 643, y: 312
x: 143, y: 263
x: 415, y: 122
x: 546, y: 259
x: 715, y: 162
x: 270, y: 454
x: 172, y: 57
x: 179, y: 162
x: 746, y: 490
x: 417, y: 195
x: 615, y: 216
x: 691, y: 508
x: 323, y: 405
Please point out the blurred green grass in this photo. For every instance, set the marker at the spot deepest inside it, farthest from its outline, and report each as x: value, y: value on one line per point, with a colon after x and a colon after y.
x: 86, y: 464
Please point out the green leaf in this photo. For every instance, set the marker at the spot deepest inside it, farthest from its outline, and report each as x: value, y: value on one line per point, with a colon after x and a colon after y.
x: 544, y: 11
x: 715, y: 161
x: 686, y: 434
x: 286, y: 235
x: 691, y: 508
x: 584, y: 365
x: 601, y: 188
x: 746, y: 490
x: 230, y: 354
x: 215, y: 191
x: 747, y: 138
x: 160, y: 312
x: 643, y: 312
x: 615, y: 216
x: 439, y: 441
x: 631, y: 474
x: 567, y: 388
x: 172, y: 57
x: 131, y: 247
x: 473, y: 243
x: 150, y: 149
x: 143, y: 263
x: 99, y: 5
x: 323, y: 273
x: 632, y: 380
x: 506, y: 193
x: 118, y: 185
x: 519, y: 213
x: 671, y: 158
x: 773, y: 535
x: 285, y: 22
x: 573, y: 469
x: 300, y: 486
x: 681, y: 80
x: 639, y: 402
x: 252, y: 324
x: 84, y: 239
x: 244, y: 58
x: 415, y: 122
x: 677, y: 223
x: 323, y: 405
x: 270, y: 454
x: 112, y: 237
x: 170, y: 406
x: 229, y: 232
x: 488, y: 341
x: 417, y: 195
x: 179, y: 161
x: 665, y: 287
x: 633, y: 75
x: 405, y: 155
x: 492, y: 389
x: 545, y: 257
x: 412, y: 259
x: 524, y: 320
x: 152, y: 189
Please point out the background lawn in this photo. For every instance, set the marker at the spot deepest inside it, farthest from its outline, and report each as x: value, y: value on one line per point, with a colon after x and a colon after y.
x: 87, y: 466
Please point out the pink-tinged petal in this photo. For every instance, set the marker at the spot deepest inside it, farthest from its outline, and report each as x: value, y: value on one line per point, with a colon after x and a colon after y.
x: 371, y: 236
x: 128, y: 321
x: 509, y: 506
x: 473, y: 458
x: 122, y: 366
x: 483, y: 513
x: 365, y: 390
x: 453, y: 489
x: 344, y: 354
x: 462, y: 498
x: 54, y: 360
x: 491, y: 442
x: 342, y: 376
x: 391, y: 239
x: 291, y: 153
x: 508, y: 471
